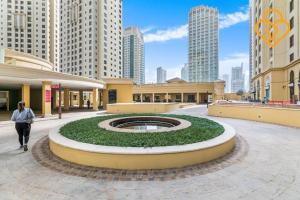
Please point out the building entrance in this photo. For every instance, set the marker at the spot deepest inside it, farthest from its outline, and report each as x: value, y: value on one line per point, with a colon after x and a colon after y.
x: 4, y: 100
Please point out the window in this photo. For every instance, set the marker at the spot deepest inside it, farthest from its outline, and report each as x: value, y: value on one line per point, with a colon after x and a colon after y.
x: 292, y: 86
x: 292, y: 23
x: 291, y: 41
x: 292, y: 57
x: 292, y: 77
x: 291, y: 5
x: 112, y: 96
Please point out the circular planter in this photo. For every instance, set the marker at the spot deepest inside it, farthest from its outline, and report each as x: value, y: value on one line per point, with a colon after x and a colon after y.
x: 137, y: 158
x: 177, y: 124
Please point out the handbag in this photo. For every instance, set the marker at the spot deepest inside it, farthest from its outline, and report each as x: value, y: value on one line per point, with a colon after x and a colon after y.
x: 29, y: 116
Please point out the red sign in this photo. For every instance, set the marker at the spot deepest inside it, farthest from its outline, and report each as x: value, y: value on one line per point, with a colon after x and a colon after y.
x: 48, y: 96
x: 55, y: 86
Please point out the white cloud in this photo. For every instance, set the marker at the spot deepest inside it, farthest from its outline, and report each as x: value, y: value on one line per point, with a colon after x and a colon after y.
x: 174, y: 72
x: 150, y: 75
x: 147, y: 29
x: 179, y: 32
x: 233, y: 61
x: 168, y: 34
x: 225, y: 66
x: 233, y: 19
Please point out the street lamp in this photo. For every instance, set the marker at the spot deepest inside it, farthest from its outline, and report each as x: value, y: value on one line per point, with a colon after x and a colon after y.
x: 207, y: 99
x: 59, y: 102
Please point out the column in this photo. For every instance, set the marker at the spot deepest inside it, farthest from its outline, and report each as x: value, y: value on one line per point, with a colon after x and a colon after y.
x: 218, y: 92
x: 54, y: 103
x: 200, y: 98
x: 197, y: 98
x: 90, y: 96
x: 7, y: 101
x: 153, y: 97
x: 182, y: 97
x: 81, y: 101
x: 100, y: 98
x: 26, y: 94
x: 66, y: 98
x: 142, y: 100
x: 298, y: 91
x: 71, y: 99
x: 105, y: 98
x: 167, y: 98
x: 46, y: 98
x: 95, y: 99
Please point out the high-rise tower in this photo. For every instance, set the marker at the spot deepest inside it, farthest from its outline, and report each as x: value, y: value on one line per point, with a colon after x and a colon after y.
x: 91, y: 38
x: 31, y: 26
x: 133, y: 55
x: 203, y: 44
x: 161, y: 75
x: 237, y: 79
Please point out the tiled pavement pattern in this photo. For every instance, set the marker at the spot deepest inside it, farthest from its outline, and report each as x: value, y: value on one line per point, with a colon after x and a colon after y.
x: 269, y: 170
x: 46, y: 158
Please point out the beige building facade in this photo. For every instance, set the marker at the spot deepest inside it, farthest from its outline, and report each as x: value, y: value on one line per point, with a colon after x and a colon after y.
x: 91, y: 38
x: 275, y: 69
x: 117, y: 91
x: 179, y: 91
x: 32, y: 79
x: 31, y: 26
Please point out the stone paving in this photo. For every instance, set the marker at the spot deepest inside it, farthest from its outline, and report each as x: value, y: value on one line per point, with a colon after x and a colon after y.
x: 269, y: 170
x: 45, y: 157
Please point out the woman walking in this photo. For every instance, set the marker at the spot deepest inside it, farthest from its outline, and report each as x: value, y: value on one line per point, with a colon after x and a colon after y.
x: 23, y: 118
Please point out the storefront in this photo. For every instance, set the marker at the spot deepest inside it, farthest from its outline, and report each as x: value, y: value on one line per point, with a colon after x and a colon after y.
x: 280, y: 84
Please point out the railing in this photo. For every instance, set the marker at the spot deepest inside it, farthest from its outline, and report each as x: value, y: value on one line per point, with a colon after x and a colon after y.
x: 281, y: 102
x: 277, y: 104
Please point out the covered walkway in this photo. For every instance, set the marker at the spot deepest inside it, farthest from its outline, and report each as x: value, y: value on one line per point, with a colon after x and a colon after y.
x: 28, y: 78
x: 179, y: 91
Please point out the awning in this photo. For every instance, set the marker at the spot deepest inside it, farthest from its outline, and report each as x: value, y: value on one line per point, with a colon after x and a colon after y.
x: 13, y: 76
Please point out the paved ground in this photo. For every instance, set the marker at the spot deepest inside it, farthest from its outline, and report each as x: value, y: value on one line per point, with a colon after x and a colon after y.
x: 46, y: 158
x: 270, y: 170
x: 5, y: 115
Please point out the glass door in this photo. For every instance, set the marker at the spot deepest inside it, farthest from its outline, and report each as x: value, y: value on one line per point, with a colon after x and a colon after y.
x: 4, y: 100
x: 112, y: 96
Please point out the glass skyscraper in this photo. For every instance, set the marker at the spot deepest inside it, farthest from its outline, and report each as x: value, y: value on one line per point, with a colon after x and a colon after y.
x: 203, y: 44
x: 133, y: 55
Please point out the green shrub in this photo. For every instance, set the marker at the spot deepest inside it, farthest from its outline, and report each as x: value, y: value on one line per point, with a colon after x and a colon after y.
x: 88, y: 131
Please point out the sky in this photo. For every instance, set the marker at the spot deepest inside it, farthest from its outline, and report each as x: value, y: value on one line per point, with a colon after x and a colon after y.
x: 164, y: 24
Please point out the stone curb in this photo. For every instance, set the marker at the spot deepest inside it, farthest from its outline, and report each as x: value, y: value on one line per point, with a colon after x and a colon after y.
x: 183, y: 124
x: 57, y: 138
